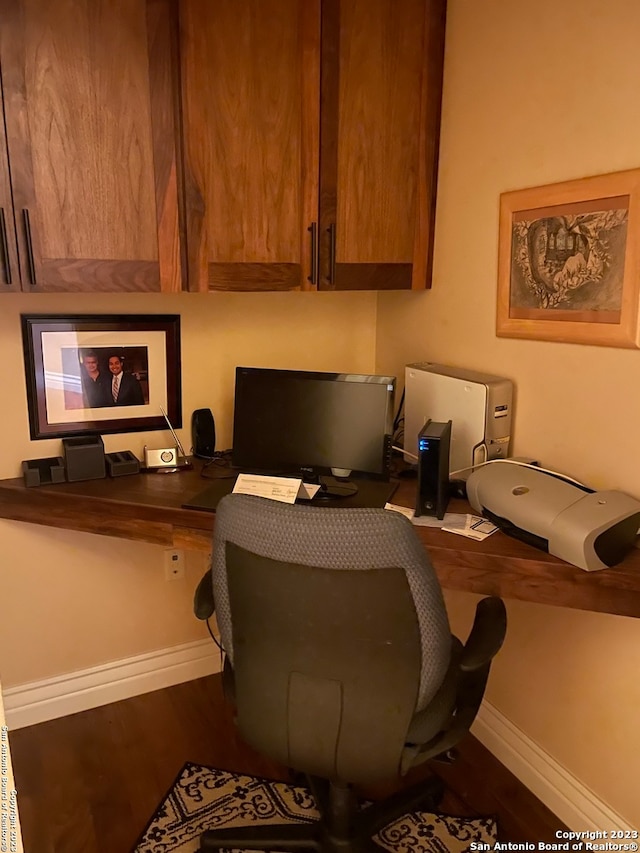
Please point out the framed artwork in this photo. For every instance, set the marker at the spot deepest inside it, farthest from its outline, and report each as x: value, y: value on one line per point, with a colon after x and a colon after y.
x: 101, y: 374
x: 568, y: 261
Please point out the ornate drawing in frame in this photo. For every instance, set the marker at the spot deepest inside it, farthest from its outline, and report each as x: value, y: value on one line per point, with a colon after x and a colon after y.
x: 102, y: 373
x: 568, y: 261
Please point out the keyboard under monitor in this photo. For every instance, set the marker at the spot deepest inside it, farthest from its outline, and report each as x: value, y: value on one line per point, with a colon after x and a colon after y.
x: 371, y: 493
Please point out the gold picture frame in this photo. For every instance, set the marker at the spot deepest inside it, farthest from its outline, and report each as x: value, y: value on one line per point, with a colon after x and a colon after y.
x: 568, y: 261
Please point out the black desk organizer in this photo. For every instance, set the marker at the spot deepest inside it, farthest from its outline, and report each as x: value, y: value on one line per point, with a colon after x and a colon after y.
x: 122, y: 462
x: 41, y: 472
x: 84, y: 458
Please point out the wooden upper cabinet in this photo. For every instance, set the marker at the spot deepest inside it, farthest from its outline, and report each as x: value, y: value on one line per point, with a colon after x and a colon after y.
x: 9, y: 270
x: 89, y: 99
x: 250, y: 95
x: 381, y: 95
x: 300, y: 136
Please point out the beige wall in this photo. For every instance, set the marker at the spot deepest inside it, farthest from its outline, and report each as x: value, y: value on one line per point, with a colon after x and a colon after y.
x: 536, y: 93
x: 71, y: 600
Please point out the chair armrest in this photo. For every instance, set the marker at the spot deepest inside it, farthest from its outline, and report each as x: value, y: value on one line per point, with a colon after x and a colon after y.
x: 486, y: 636
x: 203, y: 604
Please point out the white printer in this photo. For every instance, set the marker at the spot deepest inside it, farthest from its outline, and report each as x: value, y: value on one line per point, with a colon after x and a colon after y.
x: 478, y: 404
x: 591, y: 530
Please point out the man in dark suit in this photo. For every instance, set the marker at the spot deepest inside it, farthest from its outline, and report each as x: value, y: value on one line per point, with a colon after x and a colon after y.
x: 95, y: 384
x: 125, y: 388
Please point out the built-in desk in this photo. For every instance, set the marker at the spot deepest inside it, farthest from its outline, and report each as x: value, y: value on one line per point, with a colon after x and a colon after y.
x: 148, y: 507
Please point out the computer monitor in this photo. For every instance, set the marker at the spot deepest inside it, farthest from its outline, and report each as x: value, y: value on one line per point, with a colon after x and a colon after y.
x: 296, y: 421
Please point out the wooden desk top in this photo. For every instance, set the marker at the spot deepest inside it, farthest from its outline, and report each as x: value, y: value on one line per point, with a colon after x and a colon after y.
x: 148, y: 508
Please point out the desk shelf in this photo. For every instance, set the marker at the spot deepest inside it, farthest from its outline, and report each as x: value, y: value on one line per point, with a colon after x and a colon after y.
x: 148, y: 508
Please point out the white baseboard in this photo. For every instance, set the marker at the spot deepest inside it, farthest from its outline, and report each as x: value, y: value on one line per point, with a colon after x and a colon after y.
x: 51, y: 698
x: 571, y: 801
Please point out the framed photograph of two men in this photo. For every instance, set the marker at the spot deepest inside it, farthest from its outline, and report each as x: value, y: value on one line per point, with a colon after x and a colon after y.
x: 102, y: 373
x: 568, y: 261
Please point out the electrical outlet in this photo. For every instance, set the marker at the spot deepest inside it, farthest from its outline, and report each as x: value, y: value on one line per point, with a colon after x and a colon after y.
x: 173, y: 564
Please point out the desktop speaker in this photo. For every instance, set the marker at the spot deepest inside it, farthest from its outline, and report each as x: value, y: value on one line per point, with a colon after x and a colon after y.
x: 203, y: 434
x: 434, y: 442
x: 84, y: 458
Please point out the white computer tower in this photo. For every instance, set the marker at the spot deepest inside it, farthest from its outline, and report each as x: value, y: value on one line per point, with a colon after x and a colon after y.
x: 478, y: 404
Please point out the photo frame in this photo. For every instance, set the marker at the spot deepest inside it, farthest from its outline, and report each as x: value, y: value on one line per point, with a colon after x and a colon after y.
x: 568, y: 266
x: 101, y: 373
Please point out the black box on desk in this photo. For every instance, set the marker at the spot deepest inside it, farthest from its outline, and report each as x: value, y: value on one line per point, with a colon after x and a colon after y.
x: 84, y: 458
x: 40, y: 472
x: 434, y: 442
x: 122, y: 462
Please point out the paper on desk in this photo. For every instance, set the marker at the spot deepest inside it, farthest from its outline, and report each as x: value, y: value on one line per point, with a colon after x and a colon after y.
x: 451, y: 518
x: 285, y: 489
x: 397, y: 508
x: 473, y: 527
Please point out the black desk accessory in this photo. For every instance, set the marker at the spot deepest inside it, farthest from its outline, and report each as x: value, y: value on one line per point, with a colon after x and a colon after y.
x: 41, y: 472
x: 84, y: 458
x: 121, y: 463
x: 203, y: 434
x: 434, y: 442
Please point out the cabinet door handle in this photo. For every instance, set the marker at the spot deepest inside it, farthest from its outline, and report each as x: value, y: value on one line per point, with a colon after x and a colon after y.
x: 313, y: 229
x: 332, y: 253
x: 30, y: 258
x: 5, y: 247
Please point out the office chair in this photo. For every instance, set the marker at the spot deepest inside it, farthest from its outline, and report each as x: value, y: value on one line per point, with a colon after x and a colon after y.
x: 341, y: 660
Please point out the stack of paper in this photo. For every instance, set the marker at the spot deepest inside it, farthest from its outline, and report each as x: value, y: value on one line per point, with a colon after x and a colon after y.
x: 464, y: 524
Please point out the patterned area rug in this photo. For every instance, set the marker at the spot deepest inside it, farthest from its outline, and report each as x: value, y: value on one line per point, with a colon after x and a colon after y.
x: 203, y: 798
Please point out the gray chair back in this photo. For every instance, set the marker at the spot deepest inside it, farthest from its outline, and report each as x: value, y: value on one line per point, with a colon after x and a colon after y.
x: 336, y: 631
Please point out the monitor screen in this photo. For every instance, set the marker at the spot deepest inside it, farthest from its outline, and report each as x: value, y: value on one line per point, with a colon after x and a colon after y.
x: 289, y: 420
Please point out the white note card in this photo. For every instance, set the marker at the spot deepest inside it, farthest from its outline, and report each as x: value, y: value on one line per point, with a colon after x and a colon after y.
x: 285, y: 489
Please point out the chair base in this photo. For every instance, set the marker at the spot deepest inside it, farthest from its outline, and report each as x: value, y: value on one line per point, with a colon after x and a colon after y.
x: 342, y: 827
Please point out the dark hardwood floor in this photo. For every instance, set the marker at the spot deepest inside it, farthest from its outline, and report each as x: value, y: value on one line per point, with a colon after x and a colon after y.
x: 88, y: 783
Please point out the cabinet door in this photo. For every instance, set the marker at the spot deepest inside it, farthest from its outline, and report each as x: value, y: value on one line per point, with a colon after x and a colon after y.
x: 250, y: 93
x: 381, y: 95
x: 91, y: 135
x: 9, y: 270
